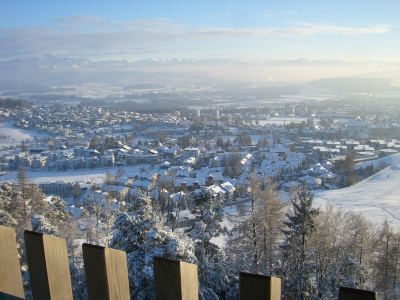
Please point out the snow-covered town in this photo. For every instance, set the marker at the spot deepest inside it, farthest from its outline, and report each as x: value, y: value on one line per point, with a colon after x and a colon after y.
x: 100, y: 161
x: 63, y: 147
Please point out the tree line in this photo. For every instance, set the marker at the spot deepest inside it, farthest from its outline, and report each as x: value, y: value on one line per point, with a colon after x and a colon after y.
x: 13, y: 103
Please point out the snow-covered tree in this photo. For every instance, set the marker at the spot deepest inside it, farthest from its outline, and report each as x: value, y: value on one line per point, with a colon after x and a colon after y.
x: 387, y: 273
x: 268, y: 216
x: 9, y: 213
x: 141, y: 234
x: 211, y: 214
x: 163, y: 190
x: 215, y: 275
x: 18, y: 204
x: 333, y: 265
x: 298, y: 262
x: 78, y: 280
x: 42, y: 225
x: 99, y: 213
x: 179, y: 203
x: 255, y: 194
x: 257, y: 232
x: 357, y: 247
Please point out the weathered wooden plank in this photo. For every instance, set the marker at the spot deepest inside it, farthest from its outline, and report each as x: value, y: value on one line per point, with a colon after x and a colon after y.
x: 254, y: 287
x: 48, y: 266
x: 106, y: 273
x: 356, y: 294
x: 10, y: 270
x: 175, y: 280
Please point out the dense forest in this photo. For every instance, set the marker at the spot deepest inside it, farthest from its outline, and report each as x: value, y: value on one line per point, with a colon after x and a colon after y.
x: 13, y: 103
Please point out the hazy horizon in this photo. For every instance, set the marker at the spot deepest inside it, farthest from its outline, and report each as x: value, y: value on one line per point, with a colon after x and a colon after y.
x: 288, y: 41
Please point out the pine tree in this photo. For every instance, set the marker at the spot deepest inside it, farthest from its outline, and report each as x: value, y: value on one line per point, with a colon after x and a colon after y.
x: 215, y: 277
x: 141, y: 234
x: 42, y: 225
x: 297, y: 261
x: 9, y: 213
x: 211, y: 215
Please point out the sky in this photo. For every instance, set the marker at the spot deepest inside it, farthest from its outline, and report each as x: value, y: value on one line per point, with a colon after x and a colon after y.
x: 243, y: 30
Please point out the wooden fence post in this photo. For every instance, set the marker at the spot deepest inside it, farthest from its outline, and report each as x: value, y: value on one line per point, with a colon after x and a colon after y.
x: 10, y: 270
x: 106, y: 273
x: 356, y: 294
x: 48, y: 266
x: 254, y: 287
x: 175, y: 280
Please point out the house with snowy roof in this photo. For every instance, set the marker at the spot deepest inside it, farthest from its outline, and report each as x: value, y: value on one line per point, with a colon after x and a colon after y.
x: 218, y: 192
x: 143, y: 184
x: 117, y: 192
x: 310, y: 181
x: 97, y: 196
x: 188, y: 184
x: 209, y: 176
x: 229, y: 188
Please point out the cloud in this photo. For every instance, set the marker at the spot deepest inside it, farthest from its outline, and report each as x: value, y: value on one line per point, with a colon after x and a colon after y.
x: 91, y: 36
x: 303, y: 30
x: 76, y: 19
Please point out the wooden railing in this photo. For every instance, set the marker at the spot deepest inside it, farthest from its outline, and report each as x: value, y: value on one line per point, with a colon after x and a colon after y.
x: 107, y: 274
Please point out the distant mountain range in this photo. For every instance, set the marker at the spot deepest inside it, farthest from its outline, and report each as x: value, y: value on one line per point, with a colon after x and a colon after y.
x: 50, y: 62
x: 355, y: 85
x: 49, y: 73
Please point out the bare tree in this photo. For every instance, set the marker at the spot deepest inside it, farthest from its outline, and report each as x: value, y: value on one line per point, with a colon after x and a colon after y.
x: 120, y: 173
x: 348, y: 162
x: 270, y: 212
x: 359, y: 238
x: 109, y: 178
x: 179, y: 203
x: 233, y: 164
x: 386, y: 272
x: 255, y: 189
x: 244, y: 237
x: 99, y: 212
x: 24, y: 188
x: 162, y: 202
x: 76, y: 192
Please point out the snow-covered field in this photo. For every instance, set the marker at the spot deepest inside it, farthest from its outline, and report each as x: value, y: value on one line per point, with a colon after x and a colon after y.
x: 285, y: 120
x: 378, y: 197
x: 97, y: 175
x: 16, y: 135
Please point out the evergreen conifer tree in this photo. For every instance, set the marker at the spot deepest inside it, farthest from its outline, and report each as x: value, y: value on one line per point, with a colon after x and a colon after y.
x: 297, y: 261
x: 141, y: 234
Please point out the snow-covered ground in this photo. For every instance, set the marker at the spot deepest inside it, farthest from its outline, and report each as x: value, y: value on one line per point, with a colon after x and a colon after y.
x: 378, y: 197
x: 285, y: 120
x: 97, y: 175
x: 16, y: 135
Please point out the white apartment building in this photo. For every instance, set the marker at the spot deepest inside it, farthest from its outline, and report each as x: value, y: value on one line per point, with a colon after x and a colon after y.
x: 191, y: 152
